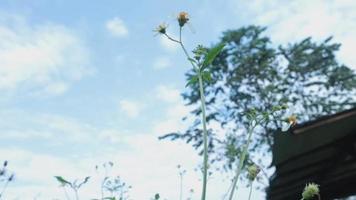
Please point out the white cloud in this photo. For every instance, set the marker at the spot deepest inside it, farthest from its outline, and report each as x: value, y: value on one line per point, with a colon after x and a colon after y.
x: 168, y: 44
x: 45, y: 57
x: 162, y: 63
x: 175, y: 111
x: 19, y: 125
x: 131, y: 108
x: 143, y: 158
x: 168, y: 94
x: 290, y: 21
x: 117, y: 27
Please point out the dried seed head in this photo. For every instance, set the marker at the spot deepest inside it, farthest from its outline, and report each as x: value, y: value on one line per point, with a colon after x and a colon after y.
x: 162, y: 28
x: 182, y: 18
x: 311, y: 190
x: 253, y: 171
x: 5, y: 163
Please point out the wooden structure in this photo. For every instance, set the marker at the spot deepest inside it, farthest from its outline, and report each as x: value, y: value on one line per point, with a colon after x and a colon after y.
x: 321, y: 151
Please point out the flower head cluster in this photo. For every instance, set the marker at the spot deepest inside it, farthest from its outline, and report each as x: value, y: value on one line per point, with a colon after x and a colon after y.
x: 161, y: 29
x: 292, y: 120
x: 311, y: 190
x: 253, y: 171
x: 182, y: 18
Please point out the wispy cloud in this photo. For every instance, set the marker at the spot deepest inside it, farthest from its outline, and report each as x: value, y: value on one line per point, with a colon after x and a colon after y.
x: 290, y: 21
x: 117, y: 27
x: 131, y: 108
x: 162, y: 63
x: 168, y: 94
x: 45, y: 58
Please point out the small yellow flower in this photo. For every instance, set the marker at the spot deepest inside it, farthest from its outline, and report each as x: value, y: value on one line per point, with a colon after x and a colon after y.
x: 292, y: 120
x: 182, y: 18
x: 162, y: 28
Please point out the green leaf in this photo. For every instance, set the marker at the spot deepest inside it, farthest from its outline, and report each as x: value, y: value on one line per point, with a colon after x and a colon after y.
x: 84, y: 181
x: 61, y: 180
x: 206, y: 75
x: 213, y: 52
x: 193, y: 80
x: 110, y: 198
x: 192, y: 60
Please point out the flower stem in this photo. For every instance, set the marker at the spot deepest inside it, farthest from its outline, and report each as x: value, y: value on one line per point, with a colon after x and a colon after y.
x: 205, y: 136
x: 241, y: 162
x: 249, y: 195
x: 181, y: 188
x: 203, y: 108
x: 66, y: 193
x: 76, y: 194
x: 3, y: 189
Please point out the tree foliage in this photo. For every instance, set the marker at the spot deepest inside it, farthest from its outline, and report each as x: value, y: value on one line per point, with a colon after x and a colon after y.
x: 251, y: 72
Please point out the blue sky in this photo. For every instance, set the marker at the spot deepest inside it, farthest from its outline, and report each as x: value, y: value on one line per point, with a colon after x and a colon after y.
x: 84, y: 82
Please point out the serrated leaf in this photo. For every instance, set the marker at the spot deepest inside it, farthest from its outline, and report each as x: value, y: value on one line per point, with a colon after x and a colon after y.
x: 213, y: 52
x: 206, y: 75
x: 193, y: 80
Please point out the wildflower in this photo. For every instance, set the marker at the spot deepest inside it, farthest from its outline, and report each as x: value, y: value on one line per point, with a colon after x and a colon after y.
x: 311, y: 190
x: 253, y: 171
x: 292, y: 120
x: 161, y: 29
x: 182, y: 18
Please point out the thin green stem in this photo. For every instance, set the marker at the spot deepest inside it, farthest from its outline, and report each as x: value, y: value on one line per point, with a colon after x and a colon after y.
x: 241, y: 161
x: 228, y: 192
x: 76, y: 194
x: 3, y: 189
x: 205, y: 137
x: 66, y: 193
x: 249, y: 195
x: 181, y: 187
x: 169, y: 37
x: 203, y: 108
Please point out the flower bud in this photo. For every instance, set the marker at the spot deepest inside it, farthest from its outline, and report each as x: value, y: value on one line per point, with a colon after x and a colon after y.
x: 311, y: 190
x: 182, y: 18
x: 253, y: 171
x: 292, y: 120
x: 162, y: 28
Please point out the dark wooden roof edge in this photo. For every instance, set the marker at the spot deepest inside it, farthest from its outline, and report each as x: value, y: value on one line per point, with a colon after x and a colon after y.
x: 306, y: 126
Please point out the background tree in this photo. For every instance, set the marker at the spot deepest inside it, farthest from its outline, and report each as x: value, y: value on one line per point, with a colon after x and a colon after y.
x: 251, y: 72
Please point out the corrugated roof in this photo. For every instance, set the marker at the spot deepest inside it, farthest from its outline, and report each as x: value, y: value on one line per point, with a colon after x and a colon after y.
x: 322, y: 151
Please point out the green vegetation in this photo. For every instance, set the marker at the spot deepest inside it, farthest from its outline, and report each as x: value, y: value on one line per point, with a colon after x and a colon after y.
x: 245, y: 81
x: 251, y: 72
x: 198, y: 79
